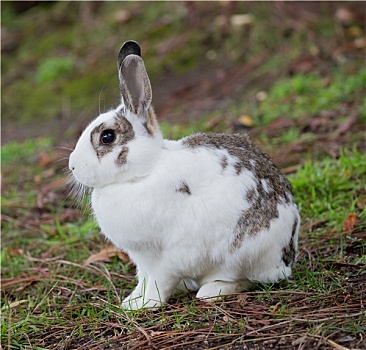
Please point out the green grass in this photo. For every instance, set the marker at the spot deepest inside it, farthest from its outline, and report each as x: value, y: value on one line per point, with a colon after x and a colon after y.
x: 331, y: 189
x: 301, y: 96
x: 305, y: 95
x: 23, y: 152
x: 81, y: 301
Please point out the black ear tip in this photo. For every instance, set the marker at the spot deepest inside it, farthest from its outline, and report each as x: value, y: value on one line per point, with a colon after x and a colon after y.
x: 130, y: 47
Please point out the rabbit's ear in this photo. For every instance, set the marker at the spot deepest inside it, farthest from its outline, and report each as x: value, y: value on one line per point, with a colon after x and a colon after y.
x: 134, y: 85
x: 128, y: 48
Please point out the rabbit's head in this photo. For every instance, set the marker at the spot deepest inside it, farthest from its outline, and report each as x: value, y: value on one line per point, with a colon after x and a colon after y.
x: 122, y: 144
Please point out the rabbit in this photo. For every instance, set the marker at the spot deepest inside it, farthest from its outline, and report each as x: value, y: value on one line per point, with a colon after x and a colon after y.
x: 209, y: 213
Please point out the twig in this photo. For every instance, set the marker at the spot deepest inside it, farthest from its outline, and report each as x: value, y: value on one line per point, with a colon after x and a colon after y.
x: 330, y: 342
x: 267, y: 327
x: 252, y: 340
x: 143, y: 332
x: 328, y: 319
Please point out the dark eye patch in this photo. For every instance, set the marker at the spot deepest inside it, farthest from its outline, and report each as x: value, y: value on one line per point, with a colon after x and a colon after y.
x: 107, y: 137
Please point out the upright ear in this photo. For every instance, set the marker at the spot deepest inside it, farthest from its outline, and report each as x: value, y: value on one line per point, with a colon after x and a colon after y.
x: 134, y: 83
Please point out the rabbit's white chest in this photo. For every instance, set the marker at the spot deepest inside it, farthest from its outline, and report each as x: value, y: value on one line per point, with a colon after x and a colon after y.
x: 126, y: 213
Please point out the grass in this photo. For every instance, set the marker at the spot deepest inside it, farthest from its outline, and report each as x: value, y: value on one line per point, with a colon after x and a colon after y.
x: 338, y: 185
x: 51, y: 299
x: 308, y: 94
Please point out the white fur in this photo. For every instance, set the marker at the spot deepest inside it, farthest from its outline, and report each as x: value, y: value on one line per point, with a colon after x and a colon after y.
x: 177, y: 240
x: 172, y: 236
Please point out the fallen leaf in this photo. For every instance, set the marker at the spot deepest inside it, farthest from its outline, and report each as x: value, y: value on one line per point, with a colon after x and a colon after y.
x: 246, y: 120
x: 261, y: 95
x: 122, y: 16
x: 14, y: 252
x: 16, y: 303
x: 37, y: 179
x: 354, y: 32
x: 361, y: 204
x: 228, y: 319
x: 344, y: 16
x: 276, y: 307
x: 156, y: 333
x: 349, y: 223
x: 105, y: 254
x: 242, y: 20
x: 360, y: 43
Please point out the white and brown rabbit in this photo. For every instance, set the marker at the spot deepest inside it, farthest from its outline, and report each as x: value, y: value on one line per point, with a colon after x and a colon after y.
x: 209, y: 212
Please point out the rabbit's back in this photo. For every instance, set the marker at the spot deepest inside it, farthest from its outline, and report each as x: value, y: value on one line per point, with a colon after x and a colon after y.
x: 237, y: 155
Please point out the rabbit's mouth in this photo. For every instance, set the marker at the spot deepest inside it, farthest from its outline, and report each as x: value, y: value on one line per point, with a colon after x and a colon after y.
x: 81, y: 173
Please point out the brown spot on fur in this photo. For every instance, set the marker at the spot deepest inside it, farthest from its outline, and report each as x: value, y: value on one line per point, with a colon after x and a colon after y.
x: 184, y: 188
x: 103, y: 151
x: 152, y: 123
x: 124, y: 133
x: 294, y: 227
x: 257, y: 218
x: 148, y: 128
x: 289, y: 252
x: 122, y: 157
x: 224, y: 162
x: 248, y: 157
x: 124, y: 128
x: 250, y: 195
x: 238, y: 167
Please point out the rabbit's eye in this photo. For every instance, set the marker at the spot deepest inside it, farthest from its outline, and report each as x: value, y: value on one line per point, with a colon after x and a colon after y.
x: 107, y: 137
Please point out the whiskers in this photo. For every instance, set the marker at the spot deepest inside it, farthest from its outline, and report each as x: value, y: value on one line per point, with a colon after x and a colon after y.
x: 65, y: 148
x: 74, y: 190
x: 79, y: 193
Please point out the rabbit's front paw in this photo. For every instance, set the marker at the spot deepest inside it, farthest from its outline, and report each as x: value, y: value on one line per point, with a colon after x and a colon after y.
x: 139, y: 302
